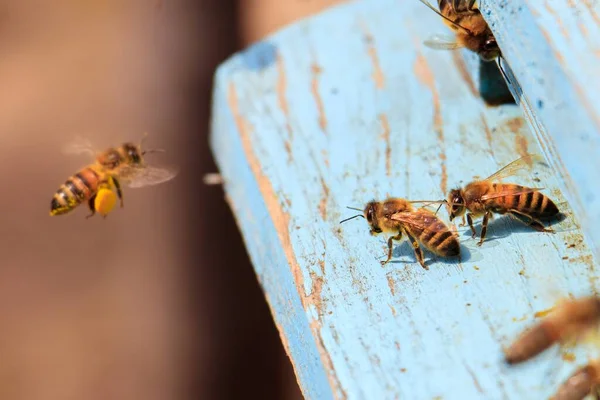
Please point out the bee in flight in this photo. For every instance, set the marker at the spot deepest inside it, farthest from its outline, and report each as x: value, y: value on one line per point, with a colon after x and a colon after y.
x: 486, y: 197
x: 397, y: 216
x: 584, y: 381
x: 471, y: 30
x: 97, y: 183
x: 567, y: 322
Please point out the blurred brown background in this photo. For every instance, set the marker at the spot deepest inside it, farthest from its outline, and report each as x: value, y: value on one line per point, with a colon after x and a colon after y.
x: 159, y: 300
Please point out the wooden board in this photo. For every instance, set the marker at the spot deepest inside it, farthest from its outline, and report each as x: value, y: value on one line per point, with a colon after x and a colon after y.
x: 349, y: 106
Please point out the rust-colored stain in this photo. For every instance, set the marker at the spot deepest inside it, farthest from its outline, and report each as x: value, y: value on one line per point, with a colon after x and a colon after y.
x: 281, y: 98
x: 324, y: 199
x: 425, y: 76
x: 397, y: 344
x: 464, y: 73
x: 476, y: 267
x: 391, y: 285
x: 592, y: 10
x: 521, y: 144
x: 314, y: 88
x: 393, y: 310
x: 488, y: 134
x: 322, y: 266
x: 474, y: 378
x: 378, y: 76
x: 568, y: 356
x: 558, y: 20
x: 314, y: 297
x: 327, y: 362
x: 288, y: 150
x: 281, y: 221
x: 543, y: 313
x: 523, y: 318
x: 385, y: 125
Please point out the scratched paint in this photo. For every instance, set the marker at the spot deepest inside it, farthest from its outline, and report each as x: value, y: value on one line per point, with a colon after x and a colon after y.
x: 401, y: 123
x: 553, y: 50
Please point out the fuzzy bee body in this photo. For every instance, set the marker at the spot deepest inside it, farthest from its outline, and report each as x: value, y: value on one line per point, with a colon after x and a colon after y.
x: 422, y: 227
x: 483, y: 198
x: 567, y: 321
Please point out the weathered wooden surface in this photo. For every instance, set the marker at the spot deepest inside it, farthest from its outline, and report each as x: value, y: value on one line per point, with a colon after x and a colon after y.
x: 349, y: 106
x: 553, y: 49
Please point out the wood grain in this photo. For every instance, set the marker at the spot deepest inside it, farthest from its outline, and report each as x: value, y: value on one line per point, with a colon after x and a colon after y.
x: 349, y: 106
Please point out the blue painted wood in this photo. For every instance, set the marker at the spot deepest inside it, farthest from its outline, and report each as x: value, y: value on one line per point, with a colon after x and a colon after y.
x: 553, y: 50
x: 349, y: 106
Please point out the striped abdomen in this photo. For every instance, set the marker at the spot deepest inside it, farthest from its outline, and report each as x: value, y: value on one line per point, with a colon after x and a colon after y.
x: 536, y: 204
x: 433, y: 234
x: 77, y: 189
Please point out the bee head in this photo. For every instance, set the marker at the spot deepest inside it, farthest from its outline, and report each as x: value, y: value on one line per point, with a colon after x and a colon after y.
x: 456, y: 204
x: 371, y: 216
x: 489, y: 49
x: 132, y: 153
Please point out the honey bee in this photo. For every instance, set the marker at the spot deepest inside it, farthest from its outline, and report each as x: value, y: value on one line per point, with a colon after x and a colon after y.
x: 581, y: 383
x: 568, y: 321
x: 397, y: 216
x: 485, y: 197
x: 471, y: 30
x: 97, y: 183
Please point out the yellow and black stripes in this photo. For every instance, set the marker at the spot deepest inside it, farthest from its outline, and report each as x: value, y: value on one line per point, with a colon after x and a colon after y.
x: 76, y: 190
x: 535, y: 204
x: 436, y: 236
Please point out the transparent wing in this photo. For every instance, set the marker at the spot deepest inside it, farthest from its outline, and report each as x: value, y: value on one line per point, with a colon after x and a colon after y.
x: 79, y: 146
x: 421, y: 219
x: 147, y: 176
x: 509, y: 192
x: 514, y: 167
x: 442, y: 42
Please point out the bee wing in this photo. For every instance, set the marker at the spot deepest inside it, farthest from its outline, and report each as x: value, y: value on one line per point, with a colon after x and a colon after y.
x: 509, y: 192
x: 422, y: 219
x: 147, y: 175
x: 516, y: 166
x: 78, y: 146
x: 442, y: 42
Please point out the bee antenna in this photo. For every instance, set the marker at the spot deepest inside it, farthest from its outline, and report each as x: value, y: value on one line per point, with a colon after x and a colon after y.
x: 440, y: 206
x: 354, y: 208
x: 348, y: 219
x: 446, y: 18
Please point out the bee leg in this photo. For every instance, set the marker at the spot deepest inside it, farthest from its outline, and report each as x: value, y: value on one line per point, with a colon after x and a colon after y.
x: 91, y: 206
x: 484, y: 224
x: 119, y: 192
x: 390, y: 246
x: 532, y: 222
x: 463, y: 223
x: 470, y: 220
x: 418, y: 251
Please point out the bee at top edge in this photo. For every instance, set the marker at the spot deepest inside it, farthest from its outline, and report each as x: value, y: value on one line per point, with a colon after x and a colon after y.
x: 422, y: 227
x: 471, y: 30
x: 483, y: 198
x: 98, y: 183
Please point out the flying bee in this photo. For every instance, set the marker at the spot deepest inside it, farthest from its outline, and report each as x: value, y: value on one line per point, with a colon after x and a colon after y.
x: 568, y: 321
x: 397, y: 216
x: 471, y: 30
x: 485, y: 197
x: 97, y: 182
x: 584, y: 381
